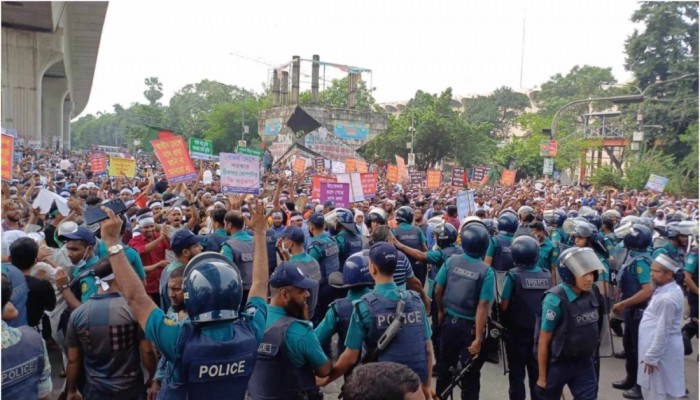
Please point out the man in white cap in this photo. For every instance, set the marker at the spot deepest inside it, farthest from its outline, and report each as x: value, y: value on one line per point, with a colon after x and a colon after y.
x: 661, y: 365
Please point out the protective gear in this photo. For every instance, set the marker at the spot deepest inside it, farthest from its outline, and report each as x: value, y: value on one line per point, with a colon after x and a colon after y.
x: 502, y: 257
x: 355, y: 272
x: 213, y: 288
x: 475, y: 239
x: 612, y: 215
x: 577, y: 261
x: 525, y: 211
x: 629, y: 283
x: 554, y: 217
x: 507, y: 223
x: 587, y: 213
x: 23, y: 365
x: 597, y: 221
x: 408, y: 346
x: 528, y: 289
x: 464, y: 281
x: 271, y: 247
x: 404, y: 214
x: 507, y: 211
x: 20, y: 294
x: 491, y: 225
x: 342, y: 308
x: 275, y: 377
x: 470, y: 220
x: 672, y: 231
x: 214, y: 369
x: 346, y: 219
x: 445, y: 235
x: 583, y: 229
x: 329, y: 261
x: 639, y: 237
x: 411, y: 238
x: 376, y: 214
x: 525, y: 251
x: 243, y: 259
x: 352, y: 242
x: 688, y: 228
x: 572, y: 214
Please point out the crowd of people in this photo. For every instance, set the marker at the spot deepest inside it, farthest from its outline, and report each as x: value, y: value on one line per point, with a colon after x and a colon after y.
x: 188, y: 292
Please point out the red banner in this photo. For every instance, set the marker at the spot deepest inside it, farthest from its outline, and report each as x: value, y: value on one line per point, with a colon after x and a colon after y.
x: 175, y: 158
x: 508, y: 177
x: 369, y: 183
x: 98, y: 162
x: 392, y: 173
x: 8, y: 156
x: 316, y: 181
x: 434, y: 179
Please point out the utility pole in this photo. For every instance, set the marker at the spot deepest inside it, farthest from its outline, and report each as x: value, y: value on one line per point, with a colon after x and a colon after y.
x: 412, y: 129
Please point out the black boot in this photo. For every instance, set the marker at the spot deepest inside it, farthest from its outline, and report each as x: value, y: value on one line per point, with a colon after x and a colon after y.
x: 620, y: 355
x: 624, y: 384
x: 634, y: 393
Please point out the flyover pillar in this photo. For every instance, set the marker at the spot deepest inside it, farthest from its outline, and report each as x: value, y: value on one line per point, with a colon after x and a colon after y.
x: 54, y: 92
x: 67, y: 115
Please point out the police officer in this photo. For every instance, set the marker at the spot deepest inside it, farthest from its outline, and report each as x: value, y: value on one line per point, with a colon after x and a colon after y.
x: 357, y: 280
x: 569, y: 328
x: 498, y: 254
x: 464, y: 291
x: 526, y: 215
x: 325, y: 251
x: 26, y: 369
x: 374, y: 318
x: 214, y: 352
x: 555, y: 219
x: 523, y: 288
x: 413, y: 237
x: 375, y: 218
x: 239, y: 249
x: 290, y: 355
x: 635, y: 285
x: 292, y: 246
x: 548, y: 251
x: 672, y: 243
x: 690, y: 271
x: 348, y: 238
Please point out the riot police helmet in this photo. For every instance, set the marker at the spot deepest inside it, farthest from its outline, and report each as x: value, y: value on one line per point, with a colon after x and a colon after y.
x: 638, y: 238
x: 507, y: 223
x: 212, y: 288
x: 475, y: 239
x: 355, y: 273
x: 525, y: 251
x: 445, y: 235
x: 346, y: 218
x: 404, y: 214
x: 576, y: 262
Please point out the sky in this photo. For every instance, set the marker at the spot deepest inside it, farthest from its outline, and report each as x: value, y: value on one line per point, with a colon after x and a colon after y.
x: 472, y: 46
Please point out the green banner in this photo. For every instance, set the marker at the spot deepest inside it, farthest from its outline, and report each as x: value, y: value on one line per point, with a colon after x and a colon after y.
x: 200, y: 148
x: 249, y: 151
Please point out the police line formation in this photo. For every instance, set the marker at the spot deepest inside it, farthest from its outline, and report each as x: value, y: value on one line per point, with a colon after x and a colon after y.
x: 213, y: 296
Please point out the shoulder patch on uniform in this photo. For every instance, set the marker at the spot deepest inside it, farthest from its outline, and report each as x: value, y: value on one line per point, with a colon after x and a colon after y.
x: 169, y: 321
x: 550, y: 315
x: 639, y: 270
x: 83, y: 287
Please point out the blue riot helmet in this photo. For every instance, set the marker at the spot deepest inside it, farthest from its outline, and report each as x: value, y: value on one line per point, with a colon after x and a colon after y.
x: 578, y: 261
x: 507, y: 223
x: 561, y: 217
x: 572, y: 214
x: 597, y: 221
x: 638, y: 238
x: 445, y: 235
x: 582, y: 229
x: 346, y: 218
x: 612, y: 215
x: 404, y: 214
x: 475, y: 238
x: 672, y: 231
x: 213, y: 289
x: 525, y: 251
x: 550, y: 217
x: 507, y: 210
x: 648, y: 222
x: 377, y: 215
x: 491, y: 225
x: 355, y: 273
x: 587, y: 213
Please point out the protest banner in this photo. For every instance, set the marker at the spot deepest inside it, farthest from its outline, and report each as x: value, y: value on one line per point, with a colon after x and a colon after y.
x: 434, y: 179
x: 122, y: 166
x: 299, y: 165
x: 316, y: 181
x: 175, y: 158
x: 240, y: 173
x: 98, y: 162
x: 508, y: 177
x: 403, y: 170
x: 355, y: 181
x: 548, y: 167
x: 338, y: 193
x: 318, y: 163
x: 369, y: 183
x: 465, y: 204
x: 457, y: 176
x: 553, y: 146
x: 350, y: 165
x: 479, y: 173
x: 249, y: 151
x: 392, y: 173
x: 8, y: 148
x: 338, y: 167
x: 415, y: 178
x: 201, y: 149
x: 656, y: 183
x: 361, y: 166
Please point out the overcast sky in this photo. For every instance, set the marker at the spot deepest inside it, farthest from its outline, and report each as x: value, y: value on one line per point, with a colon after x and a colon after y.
x: 471, y: 46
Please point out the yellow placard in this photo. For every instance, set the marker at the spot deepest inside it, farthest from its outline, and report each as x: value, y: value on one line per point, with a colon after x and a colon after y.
x: 122, y: 166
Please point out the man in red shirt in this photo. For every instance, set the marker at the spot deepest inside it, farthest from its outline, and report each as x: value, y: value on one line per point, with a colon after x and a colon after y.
x: 151, y: 246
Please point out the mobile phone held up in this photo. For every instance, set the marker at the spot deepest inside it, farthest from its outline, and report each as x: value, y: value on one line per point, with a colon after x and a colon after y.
x: 95, y: 214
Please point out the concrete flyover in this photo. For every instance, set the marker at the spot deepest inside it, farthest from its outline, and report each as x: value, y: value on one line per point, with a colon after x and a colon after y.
x: 49, y: 51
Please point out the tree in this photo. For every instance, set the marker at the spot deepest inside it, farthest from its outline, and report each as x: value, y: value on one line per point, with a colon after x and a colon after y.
x: 155, y: 90
x: 336, y: 96
x: 225, y: 127
x: 498, y: 109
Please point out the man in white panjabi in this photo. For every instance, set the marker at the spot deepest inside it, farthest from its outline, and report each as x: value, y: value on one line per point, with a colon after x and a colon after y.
x: 661, y: 369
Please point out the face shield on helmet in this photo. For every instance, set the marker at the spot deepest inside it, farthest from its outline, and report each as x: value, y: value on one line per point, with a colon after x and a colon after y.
x: 638, y: 238
x: 577, y: 262
x: 212, y: 288
x: 586, y: 212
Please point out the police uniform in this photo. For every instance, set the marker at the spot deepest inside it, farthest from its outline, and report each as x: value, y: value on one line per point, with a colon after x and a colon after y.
x: 239, y: 249
x: 574, y: 321
x: 558, y: 235
x: 337, y: 318
x: 523, y: 289
x: 20, y: 294
x: 467, y: 281
x: 85, y: 275
x: 310, y: 268
x: 691, y: 266
x: 413, y: 237
x: 349, y: 243
x: 26, y: 369
x: 548, y: 255
x: 325, y: 251
x: 499, y: 251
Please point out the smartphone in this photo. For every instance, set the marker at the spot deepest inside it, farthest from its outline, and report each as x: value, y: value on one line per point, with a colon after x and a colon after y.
x: 95, y: 214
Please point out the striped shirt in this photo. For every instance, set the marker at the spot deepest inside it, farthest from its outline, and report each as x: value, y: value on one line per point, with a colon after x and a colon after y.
x: 404, y: 271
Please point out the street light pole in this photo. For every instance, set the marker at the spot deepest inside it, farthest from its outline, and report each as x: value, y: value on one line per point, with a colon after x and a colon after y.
x: 412, y: 129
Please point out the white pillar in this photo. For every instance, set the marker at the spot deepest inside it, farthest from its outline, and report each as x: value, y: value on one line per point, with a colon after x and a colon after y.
x: 67, y: 115
x: 53, y: 92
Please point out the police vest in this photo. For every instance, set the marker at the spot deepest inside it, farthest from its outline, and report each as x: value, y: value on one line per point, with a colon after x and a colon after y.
x: 353, y: 244
x: 214, y: 242
x: 212, y: 368
x: 411, y: 238
x: 271, y: 242
x: 577, y: 335
x: 20, y: 294
x: 243, y: 258
x: 312, y: 270
x: 449, y: 252
x: 408, y: 346
x: 275, y: 377
x: 502, y: 257
x: 329, y: 261
x: 22, y: 366
x: 629, y: 283
x: 528, y: 288
x: 464, y: 281
x: 342, y: 308
x: 521, y: 230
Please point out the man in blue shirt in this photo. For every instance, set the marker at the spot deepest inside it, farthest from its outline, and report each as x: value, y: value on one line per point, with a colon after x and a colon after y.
x: 213, y: 354
x: 239, y: 248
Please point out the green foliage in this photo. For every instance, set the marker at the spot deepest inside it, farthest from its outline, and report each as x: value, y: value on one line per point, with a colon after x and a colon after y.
x: 336, y: 96
x: 606, y: 175
x: 225, y: 127
x: 580, y: 83
x: 499, y: 109
x: 154, y: 91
